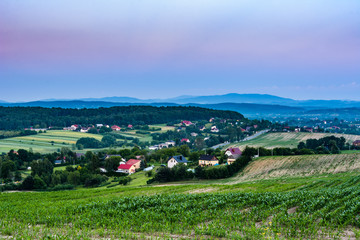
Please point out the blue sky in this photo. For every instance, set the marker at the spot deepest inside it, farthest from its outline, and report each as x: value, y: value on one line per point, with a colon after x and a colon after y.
x: 158, y: 49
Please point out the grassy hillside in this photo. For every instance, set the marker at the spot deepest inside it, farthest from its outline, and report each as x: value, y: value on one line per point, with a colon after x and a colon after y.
x: 44, y: 142
x: 272, y: 140
x: 299, y: 166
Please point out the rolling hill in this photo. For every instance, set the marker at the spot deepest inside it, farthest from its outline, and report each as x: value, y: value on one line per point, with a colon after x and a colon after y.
x: 47, y: 142
x: 292, y: 139
x: 298, y: 166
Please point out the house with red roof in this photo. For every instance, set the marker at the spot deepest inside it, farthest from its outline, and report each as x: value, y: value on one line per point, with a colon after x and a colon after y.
x: 185, y: 140
x: 134, y: 162
x: 187, y: 123
x: 130, y: 126
x: 126, y: 168
x: 115, y: 128
x: 130, y: 166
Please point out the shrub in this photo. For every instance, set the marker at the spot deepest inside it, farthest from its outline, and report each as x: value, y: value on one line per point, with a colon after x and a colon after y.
x: 125, y: 180
x: 94, y: 180
x: 39, y: 183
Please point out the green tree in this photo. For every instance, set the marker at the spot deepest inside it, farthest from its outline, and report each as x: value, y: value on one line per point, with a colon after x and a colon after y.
x: 108, y: 140
x: 41, y: 168
x: 7, y: 167
x: 74, y: 178
x: 94, y: 163
x: 39, y: 183
x: 200, y: 143
x: 112, y: 163
x: 28, y: 183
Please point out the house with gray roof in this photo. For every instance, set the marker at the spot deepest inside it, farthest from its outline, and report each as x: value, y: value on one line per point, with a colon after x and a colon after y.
x: 174, y: 160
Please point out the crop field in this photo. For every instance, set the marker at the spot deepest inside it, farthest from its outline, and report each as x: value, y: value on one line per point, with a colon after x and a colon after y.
x: 272, y: 140
x: 304, y: 165
x: 163, y: 127
x: 44, y: 142
x: 319, y: 209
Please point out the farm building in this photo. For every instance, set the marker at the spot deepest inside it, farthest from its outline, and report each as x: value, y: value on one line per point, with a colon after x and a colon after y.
x: 356, y: 143
x: 173, y: 161
x: 208, y: 160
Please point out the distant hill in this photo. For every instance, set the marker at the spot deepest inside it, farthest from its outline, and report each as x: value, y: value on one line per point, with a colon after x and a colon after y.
x: 252, y: 105
x: 229, y: 98
x: 250, y: 108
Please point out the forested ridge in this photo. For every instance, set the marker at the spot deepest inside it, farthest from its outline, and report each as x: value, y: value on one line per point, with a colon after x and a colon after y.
x: 15, y: 118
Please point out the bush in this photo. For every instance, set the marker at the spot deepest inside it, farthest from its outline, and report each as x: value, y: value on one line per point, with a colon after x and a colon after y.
x: 94, y: 180
x: 125, y: 180
x: 88, y: 142
x: 149, y: 173
x: 9, y: 187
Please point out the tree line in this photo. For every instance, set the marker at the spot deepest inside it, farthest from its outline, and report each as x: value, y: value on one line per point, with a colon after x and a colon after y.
x: 16, y: 118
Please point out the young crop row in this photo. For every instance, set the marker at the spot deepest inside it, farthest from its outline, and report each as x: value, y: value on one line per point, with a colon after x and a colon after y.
x: 288, y: 215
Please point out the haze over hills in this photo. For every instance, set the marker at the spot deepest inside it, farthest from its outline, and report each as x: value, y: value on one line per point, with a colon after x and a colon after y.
x: 226, y: 98
x: 252, y: 105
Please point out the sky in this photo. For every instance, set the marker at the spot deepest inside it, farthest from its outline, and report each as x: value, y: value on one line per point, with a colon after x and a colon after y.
x: 67, y: 49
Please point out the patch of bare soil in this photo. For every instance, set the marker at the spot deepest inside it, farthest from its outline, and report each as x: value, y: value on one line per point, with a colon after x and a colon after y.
x: 292, y: 210
x: 201, y: 190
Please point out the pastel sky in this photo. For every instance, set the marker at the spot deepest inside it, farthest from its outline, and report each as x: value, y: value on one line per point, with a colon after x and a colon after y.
x: 165, y: 48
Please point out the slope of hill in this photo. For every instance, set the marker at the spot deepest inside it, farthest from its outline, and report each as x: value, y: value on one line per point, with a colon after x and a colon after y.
x: 300, y: 166
x: 47, y: 142
x: 292, y: 139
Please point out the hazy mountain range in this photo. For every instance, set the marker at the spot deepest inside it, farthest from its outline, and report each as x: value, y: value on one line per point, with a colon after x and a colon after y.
x: 256, y: 105
x: 230, y: 98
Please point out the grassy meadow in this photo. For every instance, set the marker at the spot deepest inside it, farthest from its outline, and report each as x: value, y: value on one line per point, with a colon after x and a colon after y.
x: 47, y: 142
x: 292, y: 139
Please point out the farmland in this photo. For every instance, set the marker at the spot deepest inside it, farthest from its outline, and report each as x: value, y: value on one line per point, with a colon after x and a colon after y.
x: 50, y: 141
x: 320, y: 208
x: 291, y: 139
x: 301, y: 166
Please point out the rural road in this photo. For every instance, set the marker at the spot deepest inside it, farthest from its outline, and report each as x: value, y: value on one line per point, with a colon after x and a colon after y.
x: 245, y: 139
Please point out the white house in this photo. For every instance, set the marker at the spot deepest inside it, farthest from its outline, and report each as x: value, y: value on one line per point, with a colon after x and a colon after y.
x: 173, y: 161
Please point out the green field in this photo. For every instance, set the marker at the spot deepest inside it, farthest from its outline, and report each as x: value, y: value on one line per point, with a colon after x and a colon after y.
x: 298, y: 197
x: 309, y: 208
x: 299, y: 166
x: 50, y: 141
x: 272, y: 140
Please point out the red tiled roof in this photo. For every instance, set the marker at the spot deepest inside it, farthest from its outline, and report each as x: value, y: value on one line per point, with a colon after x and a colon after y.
x: 125, y: 166
x: 132, y: 162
